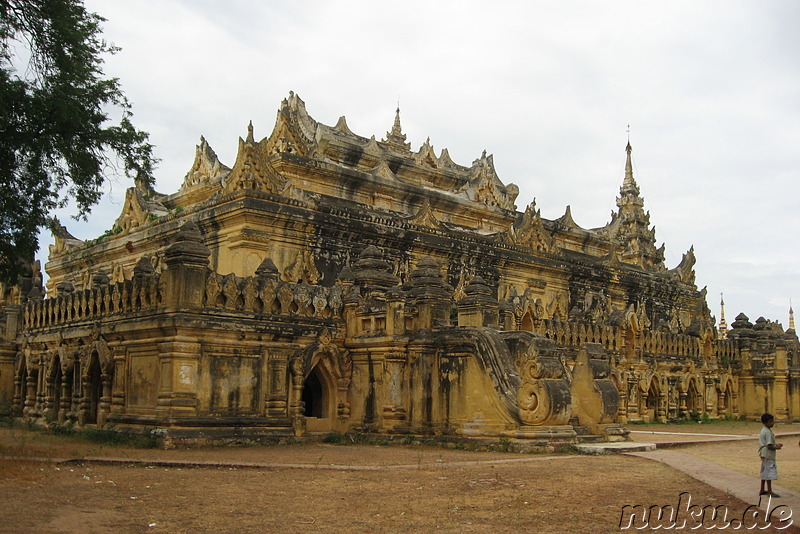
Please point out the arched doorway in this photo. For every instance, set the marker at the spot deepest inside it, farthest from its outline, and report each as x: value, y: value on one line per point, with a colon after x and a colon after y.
x: 692, y: 398
x: 94, y: 390
x: 526, y: 323
x: 55, y: 383
x: 317, y: 402
x: 725, y: 400
x: 653, y: 398
x: 66, y: 409
x: 630, y: 342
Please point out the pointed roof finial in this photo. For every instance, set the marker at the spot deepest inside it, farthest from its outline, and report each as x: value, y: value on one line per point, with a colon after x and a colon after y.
x: 723, y: 326
x: 791, y: 316
x: 396, y: 128
x: 629, y: 183
x: 250, y: 138
x: 628, y: 162
x: 396, y: 138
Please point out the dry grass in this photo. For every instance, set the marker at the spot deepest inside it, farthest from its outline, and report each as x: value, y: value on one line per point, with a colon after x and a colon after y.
x: 742, y: 456
x: 436, y: 493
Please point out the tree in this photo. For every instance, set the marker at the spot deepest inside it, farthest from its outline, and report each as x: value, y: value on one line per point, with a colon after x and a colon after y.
x: 57, y: 141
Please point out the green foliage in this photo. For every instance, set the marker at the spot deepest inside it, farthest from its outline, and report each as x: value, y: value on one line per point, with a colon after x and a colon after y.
x: 117, y: 439
x: 57, y: 141
x: 333, y: 437
x: 93, y: 435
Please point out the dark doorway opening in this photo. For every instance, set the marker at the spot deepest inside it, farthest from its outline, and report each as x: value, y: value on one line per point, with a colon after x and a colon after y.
x: 314, y: 396
x: 95, y: 391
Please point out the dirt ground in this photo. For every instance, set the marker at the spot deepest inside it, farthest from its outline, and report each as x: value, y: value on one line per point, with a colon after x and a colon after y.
x: 741, y: 456
x: 385, y: 489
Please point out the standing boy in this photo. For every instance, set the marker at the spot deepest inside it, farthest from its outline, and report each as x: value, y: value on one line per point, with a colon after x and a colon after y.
x: 767, y: 448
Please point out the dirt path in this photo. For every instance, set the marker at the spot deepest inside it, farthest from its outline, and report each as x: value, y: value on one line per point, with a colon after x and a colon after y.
x: 404, y: 489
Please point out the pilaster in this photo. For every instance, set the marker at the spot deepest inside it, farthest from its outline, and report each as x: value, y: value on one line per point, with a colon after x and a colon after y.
x: 177, y: 392
x: 8, y: 353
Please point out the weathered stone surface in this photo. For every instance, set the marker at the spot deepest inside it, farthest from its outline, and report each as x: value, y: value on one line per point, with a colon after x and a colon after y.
x: 331, y: 282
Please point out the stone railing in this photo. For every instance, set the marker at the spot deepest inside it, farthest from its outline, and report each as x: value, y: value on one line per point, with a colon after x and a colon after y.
x: 252, y: 294
x: 612, y: 338
x: 727, y: 350
x: 256, y: 294
x: 666, y: 343
x: 134, y: 295
x: 578, y: 334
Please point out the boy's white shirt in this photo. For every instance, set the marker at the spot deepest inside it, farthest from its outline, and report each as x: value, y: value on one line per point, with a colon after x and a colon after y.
x: 765, y: 438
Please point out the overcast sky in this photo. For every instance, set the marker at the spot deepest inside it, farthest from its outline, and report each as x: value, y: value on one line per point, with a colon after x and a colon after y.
x: 711, y: 91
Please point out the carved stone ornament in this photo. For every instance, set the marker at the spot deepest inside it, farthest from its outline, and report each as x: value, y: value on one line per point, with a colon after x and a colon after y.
x: 302, y: 269
x: 531, y: 233
x: 64, y: 241
x: 485, y: 186
x: 206, y: 166
x: 138, y: 210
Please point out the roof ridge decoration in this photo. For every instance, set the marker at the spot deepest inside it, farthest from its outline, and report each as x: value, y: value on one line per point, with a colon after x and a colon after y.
x: 630, y: 226
x: 425, y: 216
x: 395, y: 137
x: 341, y: 126
x: 612, y: 259
x: 445, y: 161
x: 685, y: 269
x: 63, y: 240
x: 139, y: 207
x: 383, y: 170
x: 567, y: 220
x: 426, y: 156
x: 373, y: 148
x: 252, y: 172
x: 206, y: 166
x: 485, y: 186
x: 295, y: 132
x: 530, y: 232
x: 302, y: 269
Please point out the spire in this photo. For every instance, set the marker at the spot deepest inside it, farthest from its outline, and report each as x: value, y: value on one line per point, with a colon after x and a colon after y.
x: 636, y: 238
x: 396, y: 129
x: 791, y: 316
x: 396, y: 138
x: 629, y: 184
x: 723, y: 326
x: 250, y: 138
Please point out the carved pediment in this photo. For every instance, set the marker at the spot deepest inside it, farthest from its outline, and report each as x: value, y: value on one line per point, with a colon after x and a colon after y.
x: 206, y: 166
x: 139, y: 209
x: 485, y: 186
x: 566, y: 220
x: 611, y: 229
x: 382, y: 170
x: 251, y: 172
x: 341, y: 126
x: 373, y: 148
x: 64, y: 241
x: 685, y: 269
x: 426, y: 217
x: 426, y: 156
x: 612, y: 259
x: 302, y: 269
x: 531, y: 233
x: 295, y: 132
x: 445, y: 162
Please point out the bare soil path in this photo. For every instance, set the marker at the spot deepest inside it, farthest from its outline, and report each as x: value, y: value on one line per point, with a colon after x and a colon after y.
x: 402, y: 489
